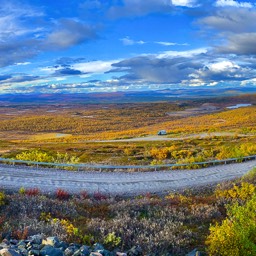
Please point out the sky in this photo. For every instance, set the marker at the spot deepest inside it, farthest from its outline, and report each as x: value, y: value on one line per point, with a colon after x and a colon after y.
x: 80, y: 46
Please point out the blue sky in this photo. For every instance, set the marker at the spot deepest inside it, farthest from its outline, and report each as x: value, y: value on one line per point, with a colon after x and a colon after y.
x: 75, y: 46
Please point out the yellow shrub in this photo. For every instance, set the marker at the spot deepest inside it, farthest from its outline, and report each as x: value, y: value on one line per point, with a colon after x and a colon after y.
x: 243, y: 192
x: 236, y: 234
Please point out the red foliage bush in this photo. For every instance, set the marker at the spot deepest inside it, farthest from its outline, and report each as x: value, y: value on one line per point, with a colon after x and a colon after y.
x: 84, y: 194
x: 32, y: 192
x: 62, y: 194
x: 99, y: 196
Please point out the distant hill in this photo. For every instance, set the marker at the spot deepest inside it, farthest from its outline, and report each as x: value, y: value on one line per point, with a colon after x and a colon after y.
x: 126, y: 97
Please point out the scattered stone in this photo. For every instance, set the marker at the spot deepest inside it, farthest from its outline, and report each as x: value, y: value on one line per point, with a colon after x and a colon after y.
x: 70, y: 251
x: 34, y: 252
x: 13, y: 241
x: 9, y: 252
x: 36, y: 239
x: 97, y: 247
x: 63, y: 246
x: 121, y: 254
x: 95, y: 254
x: 52, y: 240
x: 51, y: 246
x: 83, y: 251
x: 195, y: 252
x: 50, y: 250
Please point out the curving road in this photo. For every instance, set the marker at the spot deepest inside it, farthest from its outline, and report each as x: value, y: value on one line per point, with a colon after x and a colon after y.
x: 122, y: 183
x: 183, y: 137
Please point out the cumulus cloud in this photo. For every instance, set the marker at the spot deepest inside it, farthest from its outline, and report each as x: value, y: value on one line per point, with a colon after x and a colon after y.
x: 150, y: 69
x: 193, y: 68
x: 25, y: 31
x: 235, y: 31
x: 69, y: 33
x: 67, y: 72
x: 94, y: 66
x: 240, y: 44
x: 227, y: 20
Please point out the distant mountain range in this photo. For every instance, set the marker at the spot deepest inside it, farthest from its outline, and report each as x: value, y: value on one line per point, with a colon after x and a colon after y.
x: 126, y: 97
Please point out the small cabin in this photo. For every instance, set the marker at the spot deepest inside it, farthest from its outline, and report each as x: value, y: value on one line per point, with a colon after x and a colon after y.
x: 162, y: 132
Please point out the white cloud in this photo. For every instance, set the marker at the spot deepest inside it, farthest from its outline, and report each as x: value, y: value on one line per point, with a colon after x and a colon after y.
x: 128, y: 41
x: 223, y: 3
x: 187, y: 54
x: 94, y: 66
x: 249, y: 81
x: 223, y: 66
x: 22, y: 63
x: 170, y: 43
x: 185, y: 3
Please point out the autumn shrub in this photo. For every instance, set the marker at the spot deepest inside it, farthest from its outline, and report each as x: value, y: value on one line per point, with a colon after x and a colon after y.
x: 2, y: 198
x: 22, y: 205
x: 242, y: 192
x: 111, y: 240
x: 250, y: 176
x: 84, y: 194
x: 99, y: 196
x: 236, y: 234
x: 20, y: 234
x: 62, y: 194
x: 22, y: 191
x: 37, y: 155
x: 32, y: 192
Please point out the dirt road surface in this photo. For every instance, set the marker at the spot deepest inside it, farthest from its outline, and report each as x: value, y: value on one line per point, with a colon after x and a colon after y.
x: 121, y: 183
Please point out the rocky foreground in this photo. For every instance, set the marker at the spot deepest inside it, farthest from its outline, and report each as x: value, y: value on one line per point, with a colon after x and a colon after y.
x: 38, y: 245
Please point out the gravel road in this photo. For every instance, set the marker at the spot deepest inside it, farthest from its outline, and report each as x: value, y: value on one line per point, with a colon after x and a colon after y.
x: 121, y: 183
x: 183, y: 137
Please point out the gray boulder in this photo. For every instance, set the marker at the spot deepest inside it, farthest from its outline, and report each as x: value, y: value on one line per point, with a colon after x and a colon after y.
x: 9, y: 252
x: 52, y: 240
x: 195, y: 252
x: 49, y: 250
